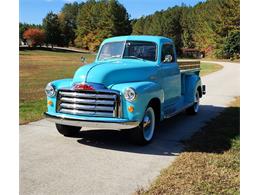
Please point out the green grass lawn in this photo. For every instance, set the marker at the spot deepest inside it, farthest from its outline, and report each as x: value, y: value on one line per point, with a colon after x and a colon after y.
x: 207, y: 68
x: 38, y: 67
x: 210, y: 163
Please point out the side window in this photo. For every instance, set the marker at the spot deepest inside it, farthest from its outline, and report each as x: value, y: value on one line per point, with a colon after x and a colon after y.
x: 167, y: 51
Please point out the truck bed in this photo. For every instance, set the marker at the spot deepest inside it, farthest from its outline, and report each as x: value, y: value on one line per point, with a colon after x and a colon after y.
x: 189, y: 65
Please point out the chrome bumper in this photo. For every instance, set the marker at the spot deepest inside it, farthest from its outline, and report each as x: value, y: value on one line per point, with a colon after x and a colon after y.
x: 115, y: 125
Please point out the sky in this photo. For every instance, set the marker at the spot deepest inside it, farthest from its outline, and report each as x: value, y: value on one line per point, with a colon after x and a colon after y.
x: 33, y: 11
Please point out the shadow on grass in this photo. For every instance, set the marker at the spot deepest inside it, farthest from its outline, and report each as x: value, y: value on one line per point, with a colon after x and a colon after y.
x: 217, y: 136
x: 169, y: 139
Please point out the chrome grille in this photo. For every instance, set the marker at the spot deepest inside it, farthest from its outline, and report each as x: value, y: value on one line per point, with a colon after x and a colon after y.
x: 89, y: 103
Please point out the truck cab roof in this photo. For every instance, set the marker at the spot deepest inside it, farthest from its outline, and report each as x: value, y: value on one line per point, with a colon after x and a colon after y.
x: 156, y: 39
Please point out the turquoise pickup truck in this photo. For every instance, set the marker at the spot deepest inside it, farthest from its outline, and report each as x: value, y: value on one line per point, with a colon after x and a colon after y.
x: 134, y: 83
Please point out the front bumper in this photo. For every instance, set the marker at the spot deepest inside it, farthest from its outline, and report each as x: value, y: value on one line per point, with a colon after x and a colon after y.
x: 115, y: 124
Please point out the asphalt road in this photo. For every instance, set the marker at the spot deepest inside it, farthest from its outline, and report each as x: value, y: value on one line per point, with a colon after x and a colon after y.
x: 105, y: 162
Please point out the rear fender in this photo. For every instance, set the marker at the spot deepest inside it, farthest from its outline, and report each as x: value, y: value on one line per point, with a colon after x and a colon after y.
x: 193, y: 82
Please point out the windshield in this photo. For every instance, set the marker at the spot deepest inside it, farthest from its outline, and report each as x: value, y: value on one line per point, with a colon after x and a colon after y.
x: 141, y: 50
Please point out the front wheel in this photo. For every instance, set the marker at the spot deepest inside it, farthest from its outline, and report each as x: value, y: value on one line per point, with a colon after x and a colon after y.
x: 194, y: 109
x: 67, y: 131
x: 143, y: 134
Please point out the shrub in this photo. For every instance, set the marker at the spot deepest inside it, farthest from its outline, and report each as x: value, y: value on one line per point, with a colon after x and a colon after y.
x: 34, y: 36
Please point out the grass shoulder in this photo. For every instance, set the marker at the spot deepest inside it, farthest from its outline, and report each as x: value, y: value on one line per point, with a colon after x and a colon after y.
x: 208, y: 68
x: 222, y: 60
x: 32, y: 110
x: 210, y: 163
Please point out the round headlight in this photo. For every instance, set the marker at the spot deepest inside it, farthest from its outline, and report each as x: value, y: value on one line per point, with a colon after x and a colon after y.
x: 49, y: 90
x: 130, y: 94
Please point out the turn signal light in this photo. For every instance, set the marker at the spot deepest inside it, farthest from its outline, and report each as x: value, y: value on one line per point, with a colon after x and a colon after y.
x: 130, y: 108
x: 49, y: 102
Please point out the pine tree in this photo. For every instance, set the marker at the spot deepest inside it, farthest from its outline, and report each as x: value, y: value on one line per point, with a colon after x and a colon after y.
x: 98, y: 20
x: 68, y: 22
x: 52, y: 30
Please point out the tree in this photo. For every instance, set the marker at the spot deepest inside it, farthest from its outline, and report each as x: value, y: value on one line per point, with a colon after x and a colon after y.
x: 226, y: 19
x: 24, y: 26
x: 89, y: 20
x: 34, y: 36
x: 156, y: 24
x: 52, y: 29
x: 98, y: 20
x: 138, y: 26
x: 231, y: 45
x: 172, y: 26
x: 187, y: 28
x: 206, y: 26
x: 118, y: 18
x: 68, y: 22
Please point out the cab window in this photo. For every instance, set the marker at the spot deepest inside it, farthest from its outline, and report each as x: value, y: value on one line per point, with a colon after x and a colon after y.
x: 167, y: 53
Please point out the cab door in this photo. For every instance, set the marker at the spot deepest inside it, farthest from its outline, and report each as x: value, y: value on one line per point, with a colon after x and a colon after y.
x: 170, y: 77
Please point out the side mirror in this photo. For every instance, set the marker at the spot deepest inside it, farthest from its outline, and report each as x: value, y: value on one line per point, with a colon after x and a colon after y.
x: 167, y: 58
x: 83, y: 59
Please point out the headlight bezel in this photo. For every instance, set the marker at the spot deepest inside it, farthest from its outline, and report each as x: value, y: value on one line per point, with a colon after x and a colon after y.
x: 50, y: 90
x: 130, y: 94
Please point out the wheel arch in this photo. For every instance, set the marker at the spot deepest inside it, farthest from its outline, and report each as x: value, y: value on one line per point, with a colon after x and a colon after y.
x: 155, y: 103
x: 148, y: 92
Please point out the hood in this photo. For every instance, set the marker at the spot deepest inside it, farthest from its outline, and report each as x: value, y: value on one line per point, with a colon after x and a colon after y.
x: 114, y: 72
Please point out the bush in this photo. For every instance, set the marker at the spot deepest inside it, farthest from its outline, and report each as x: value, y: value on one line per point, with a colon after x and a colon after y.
x: 232, y: 45
x: 34, y: 36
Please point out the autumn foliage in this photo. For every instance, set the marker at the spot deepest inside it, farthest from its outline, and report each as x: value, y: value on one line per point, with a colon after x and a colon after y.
x: 34, y: 36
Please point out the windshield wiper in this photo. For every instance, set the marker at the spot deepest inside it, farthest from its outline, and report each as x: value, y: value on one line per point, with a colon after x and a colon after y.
x: 134, y: 57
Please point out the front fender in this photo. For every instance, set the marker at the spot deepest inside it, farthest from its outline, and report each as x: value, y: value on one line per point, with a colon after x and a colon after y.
x: 146, y: 91
x: 63, y: 83
x: 58, y: 84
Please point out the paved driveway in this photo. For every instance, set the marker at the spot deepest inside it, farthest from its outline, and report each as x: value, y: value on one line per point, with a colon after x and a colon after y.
x: 105, y: 162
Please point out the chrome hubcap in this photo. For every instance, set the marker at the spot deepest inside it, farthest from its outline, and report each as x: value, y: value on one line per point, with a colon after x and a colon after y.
x: 148, y: 124
x: 147, y: 121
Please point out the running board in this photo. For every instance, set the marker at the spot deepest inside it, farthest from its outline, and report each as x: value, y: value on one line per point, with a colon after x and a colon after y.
x: 177, y: 112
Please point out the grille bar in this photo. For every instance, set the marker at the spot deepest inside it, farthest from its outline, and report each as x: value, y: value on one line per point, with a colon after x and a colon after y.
x: 88, y: 95
x: 87, y: 107
x: 89, y: 103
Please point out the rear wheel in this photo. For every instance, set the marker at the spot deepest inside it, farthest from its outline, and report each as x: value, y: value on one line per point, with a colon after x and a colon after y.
x: 67, y: 131
x: 143, y: 134
x: 194, y: 109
